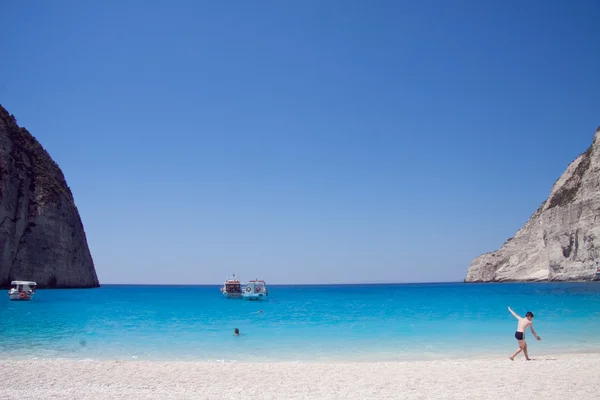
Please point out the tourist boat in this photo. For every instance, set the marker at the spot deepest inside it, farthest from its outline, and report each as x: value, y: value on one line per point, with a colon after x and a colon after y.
x: 596, y: 276
x: 21, y: 290
x: 232, y: 288
x: 255, y: 290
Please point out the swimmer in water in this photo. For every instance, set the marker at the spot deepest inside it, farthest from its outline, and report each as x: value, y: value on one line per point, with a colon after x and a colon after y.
x: 522, y: 325
x: 236, y: 332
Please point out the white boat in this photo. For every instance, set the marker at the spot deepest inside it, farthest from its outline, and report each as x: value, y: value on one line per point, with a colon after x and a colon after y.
x: 21, y: 290
x: 255, y: 290
x: 232, y: 288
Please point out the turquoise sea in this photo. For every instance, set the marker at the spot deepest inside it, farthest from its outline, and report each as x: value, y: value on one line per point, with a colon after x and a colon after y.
x: 300, y: 323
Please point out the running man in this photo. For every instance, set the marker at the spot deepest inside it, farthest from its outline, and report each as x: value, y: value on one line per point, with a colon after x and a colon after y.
x: 523, y: 324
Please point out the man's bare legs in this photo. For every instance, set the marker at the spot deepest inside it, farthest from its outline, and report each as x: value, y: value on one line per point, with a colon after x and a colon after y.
x: 525, y: 352
x: 522, y: 347
x: 512, y: 358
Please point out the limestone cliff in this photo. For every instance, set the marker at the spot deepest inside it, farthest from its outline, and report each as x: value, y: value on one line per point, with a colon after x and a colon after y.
x: 561, y: 240
x: 41, y: 235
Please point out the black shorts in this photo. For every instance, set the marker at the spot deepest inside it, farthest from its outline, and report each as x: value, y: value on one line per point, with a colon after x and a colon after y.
x: 519, y: 335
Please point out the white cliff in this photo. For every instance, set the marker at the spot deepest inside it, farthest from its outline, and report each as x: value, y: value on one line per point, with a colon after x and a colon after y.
x: 561, y: 240
x: 41, y: 235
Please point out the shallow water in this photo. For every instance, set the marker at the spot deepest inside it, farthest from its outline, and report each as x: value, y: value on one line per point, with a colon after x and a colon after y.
x: 305, y: 323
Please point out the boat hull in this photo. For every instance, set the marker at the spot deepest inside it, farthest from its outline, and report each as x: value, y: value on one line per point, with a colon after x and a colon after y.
x: 254, y: 296
x: 232, y: 295
x: 18, y: 297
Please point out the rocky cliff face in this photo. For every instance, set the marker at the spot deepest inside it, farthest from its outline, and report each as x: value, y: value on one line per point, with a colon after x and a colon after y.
x: 561, y: 240
x: 41, y: 235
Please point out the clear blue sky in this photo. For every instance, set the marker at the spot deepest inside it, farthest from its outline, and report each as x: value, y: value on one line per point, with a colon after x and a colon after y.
x: 302, y: 141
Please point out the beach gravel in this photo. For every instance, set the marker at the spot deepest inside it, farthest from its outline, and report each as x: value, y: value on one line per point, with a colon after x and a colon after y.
x: 572, y: 376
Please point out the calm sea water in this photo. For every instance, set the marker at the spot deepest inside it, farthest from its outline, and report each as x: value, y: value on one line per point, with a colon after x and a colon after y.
x: 305, y: 323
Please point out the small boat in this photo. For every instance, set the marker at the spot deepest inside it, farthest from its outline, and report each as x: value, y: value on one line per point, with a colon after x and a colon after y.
x: 21, y: 290
x: 232, y: 288
x: 597, y: 274
x: 255, y: 290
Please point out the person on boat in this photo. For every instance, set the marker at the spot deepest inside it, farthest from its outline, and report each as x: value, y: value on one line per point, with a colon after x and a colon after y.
x: 236, y: 332
x: 522, y: 325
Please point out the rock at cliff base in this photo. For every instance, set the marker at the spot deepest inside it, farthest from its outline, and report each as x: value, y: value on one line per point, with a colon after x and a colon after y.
x: 561, y: 240
x: 41, y: 235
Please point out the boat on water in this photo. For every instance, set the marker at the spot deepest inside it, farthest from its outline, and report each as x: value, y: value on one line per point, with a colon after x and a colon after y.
x: 255, y: 290
x: 21, y: 290
x: 232, y: 288
x: 596, y: 276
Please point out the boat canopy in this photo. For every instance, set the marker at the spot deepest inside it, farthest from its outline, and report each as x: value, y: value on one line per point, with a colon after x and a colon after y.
x: 23, y: 283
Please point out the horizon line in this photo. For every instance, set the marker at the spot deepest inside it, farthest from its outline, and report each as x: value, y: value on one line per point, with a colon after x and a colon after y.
x: 281, y: 284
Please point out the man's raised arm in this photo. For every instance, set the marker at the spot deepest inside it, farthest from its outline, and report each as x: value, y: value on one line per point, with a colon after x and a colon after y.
x: 513, y: 313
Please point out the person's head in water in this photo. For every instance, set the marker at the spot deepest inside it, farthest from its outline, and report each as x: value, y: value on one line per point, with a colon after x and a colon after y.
x: 236, y: 331
x: 529, y: 315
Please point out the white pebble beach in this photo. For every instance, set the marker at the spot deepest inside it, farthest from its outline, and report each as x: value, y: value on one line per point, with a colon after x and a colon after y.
x: 566, y: 376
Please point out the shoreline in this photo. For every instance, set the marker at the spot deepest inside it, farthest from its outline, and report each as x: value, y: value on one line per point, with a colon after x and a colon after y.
x: 488, y: 358
x: 359, y: 358
x: 564, y: 376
